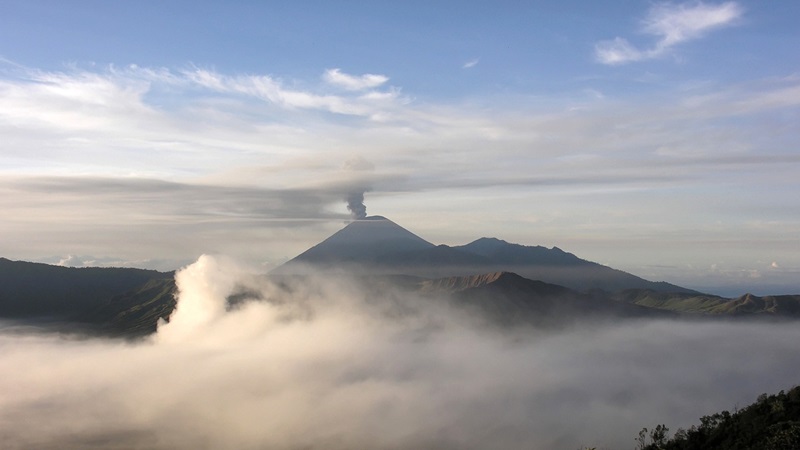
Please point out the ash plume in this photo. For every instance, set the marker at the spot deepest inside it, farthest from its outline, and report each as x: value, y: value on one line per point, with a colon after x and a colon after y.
x: 355, y: 204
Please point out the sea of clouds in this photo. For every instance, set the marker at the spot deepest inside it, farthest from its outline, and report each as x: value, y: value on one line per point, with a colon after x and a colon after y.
x: 326, y: 363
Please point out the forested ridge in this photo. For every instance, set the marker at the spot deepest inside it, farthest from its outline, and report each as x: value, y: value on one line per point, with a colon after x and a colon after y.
x: 771, y: 423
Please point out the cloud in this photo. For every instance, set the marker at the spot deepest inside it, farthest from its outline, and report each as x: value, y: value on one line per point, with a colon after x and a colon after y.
x: 272, y: 90
x: 167, y: 221
x: 672, y: 24
x: 471, y: 63
x: 267, y: 154
x: 358, y: 163
x: 353, y: 82
x: 329, y: 363
x: 77, y: 261
x: 617, y: 51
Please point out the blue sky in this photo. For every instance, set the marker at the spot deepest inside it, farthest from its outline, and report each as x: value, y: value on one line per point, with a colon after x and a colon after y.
x: 658, y: 138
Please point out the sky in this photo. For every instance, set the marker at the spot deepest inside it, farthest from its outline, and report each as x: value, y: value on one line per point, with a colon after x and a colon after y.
x: 659, y: 138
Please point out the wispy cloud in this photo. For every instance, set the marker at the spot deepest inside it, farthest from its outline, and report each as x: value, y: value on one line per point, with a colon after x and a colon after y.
x: 471, y: 63
x: 273, y: 91
x: 354, y: 82
x: 672, y: 24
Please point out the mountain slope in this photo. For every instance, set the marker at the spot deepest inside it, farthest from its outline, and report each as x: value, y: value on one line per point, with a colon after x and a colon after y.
x: 361, y: 242
x: 560, y: 267
x: 785, y: 306
x: 33, y: 290
x: 136, y: 313
x: 500, y: 250
x: 510, y: 299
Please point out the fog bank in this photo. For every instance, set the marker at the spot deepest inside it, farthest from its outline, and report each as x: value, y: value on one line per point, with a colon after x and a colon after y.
x: 328, y: 364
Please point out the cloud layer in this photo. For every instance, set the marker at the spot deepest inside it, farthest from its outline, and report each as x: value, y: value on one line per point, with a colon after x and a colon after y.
x: 261, y: 167
x: 325, y: 364
x: 672, y: 24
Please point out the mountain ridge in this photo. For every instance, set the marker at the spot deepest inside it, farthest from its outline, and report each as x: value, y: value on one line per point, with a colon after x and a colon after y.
x: 507, y: 283
x: 36, y: 289
x: 132, y: 309
x: 378, y: 246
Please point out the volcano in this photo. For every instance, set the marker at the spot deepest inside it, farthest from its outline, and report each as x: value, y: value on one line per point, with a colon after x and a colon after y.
x: 376, y: 245
x: 361, y: 242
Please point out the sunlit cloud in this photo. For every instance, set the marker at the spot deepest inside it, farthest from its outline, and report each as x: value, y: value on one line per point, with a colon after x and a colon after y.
x: 672, y: 24
x: 353, y: 82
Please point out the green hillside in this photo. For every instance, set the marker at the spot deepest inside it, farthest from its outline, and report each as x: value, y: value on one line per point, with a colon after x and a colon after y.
x: 773, y: 306
x: 136, y: 313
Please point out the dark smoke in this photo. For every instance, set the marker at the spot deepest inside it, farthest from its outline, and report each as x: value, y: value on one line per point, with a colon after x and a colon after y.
x: 355, y: 204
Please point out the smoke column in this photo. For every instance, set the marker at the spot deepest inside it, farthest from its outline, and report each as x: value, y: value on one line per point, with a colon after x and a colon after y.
x: 355, y: 204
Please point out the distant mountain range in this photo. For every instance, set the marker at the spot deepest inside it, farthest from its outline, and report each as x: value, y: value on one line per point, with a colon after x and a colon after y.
x: 377, y: 245
x: 508, y: 284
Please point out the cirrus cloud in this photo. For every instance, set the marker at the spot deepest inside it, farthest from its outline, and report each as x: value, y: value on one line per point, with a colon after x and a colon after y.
x: 672, y: 25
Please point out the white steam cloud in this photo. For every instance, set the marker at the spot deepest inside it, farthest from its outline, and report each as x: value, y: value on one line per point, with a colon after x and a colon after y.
x: 330, y: 364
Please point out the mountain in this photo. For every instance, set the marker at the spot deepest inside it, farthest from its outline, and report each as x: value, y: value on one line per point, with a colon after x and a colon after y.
x: 748, y: 305
x: 360, y: 243
x: 135, y: 313
x: 33, y: 290
x: 377, y: 245
x: 509, y: 299
x: 559, y: 267
x: 507, y: 283
x: 129, y: 302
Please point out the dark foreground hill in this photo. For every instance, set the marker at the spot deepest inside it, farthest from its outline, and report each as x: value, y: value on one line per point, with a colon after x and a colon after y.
x: 771, y: 423
x: 95, y: 299
x: 38, y: 290
x: 378, y: 246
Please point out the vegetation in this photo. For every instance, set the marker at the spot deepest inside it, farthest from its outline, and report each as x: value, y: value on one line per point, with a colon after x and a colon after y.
x: 785, y: 306
x: 136, y: 313
x: 771, y: 423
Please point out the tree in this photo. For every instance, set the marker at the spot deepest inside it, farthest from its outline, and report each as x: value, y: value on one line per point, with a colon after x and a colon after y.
x: 658, y: 436
x: 641, y: 441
